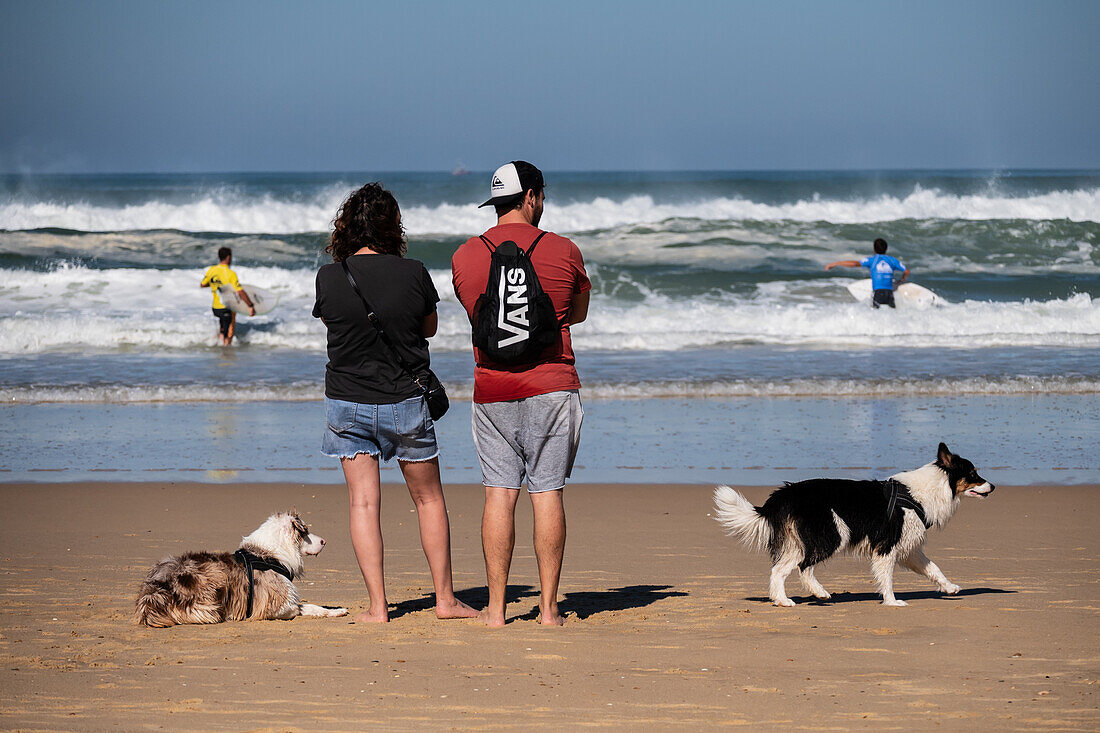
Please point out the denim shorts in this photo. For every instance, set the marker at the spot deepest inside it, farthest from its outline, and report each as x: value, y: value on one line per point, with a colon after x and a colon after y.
x: 403, y: 429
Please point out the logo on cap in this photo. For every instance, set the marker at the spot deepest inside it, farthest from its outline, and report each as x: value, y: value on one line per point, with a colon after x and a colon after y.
x: 497, y: 183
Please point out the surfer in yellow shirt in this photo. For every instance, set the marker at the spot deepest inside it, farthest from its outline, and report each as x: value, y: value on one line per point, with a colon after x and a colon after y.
x: 219, y: 275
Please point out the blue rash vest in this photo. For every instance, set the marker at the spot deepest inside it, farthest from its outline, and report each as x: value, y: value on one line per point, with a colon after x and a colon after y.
x: 882, y: 269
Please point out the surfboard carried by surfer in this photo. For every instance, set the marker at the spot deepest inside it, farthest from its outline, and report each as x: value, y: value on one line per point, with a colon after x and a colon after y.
x: 217, y: 277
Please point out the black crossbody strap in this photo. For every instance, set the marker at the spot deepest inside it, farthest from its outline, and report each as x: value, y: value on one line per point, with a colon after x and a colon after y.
x: 375, y: 321
x: 488, y: 244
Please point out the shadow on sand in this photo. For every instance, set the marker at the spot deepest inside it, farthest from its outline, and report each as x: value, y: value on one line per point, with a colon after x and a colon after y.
x: 583, y: 604
x: 580, y: 604
x: 475, y: 597
x: 920, y: 595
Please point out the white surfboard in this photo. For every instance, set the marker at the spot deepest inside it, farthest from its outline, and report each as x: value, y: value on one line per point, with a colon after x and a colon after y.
x: 906, y: 294
x: 262, y: 299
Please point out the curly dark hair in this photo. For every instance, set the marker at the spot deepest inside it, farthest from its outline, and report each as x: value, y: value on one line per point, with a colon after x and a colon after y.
x: 368, y: 217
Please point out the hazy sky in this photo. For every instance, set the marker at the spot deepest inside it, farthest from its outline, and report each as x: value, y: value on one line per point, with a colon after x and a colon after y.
x: 406, y: 85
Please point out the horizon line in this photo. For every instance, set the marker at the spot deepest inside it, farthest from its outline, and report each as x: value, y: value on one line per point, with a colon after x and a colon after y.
x: 472, y: 171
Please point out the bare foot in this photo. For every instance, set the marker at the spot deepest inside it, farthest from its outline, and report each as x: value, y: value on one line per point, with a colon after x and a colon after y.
x: 454, y: 609
x: 372, y: 617
x: 492, y: 620
x: 551, y: 618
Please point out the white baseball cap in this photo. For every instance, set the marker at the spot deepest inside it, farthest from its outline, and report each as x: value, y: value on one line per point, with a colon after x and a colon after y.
x: 511, y: 180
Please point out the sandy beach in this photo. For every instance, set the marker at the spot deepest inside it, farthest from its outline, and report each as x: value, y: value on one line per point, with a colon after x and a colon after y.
x: 668, y: 621
x: 718, y: 184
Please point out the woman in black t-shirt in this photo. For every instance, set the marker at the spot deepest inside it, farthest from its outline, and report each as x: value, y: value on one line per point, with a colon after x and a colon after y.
x: 374, y: 410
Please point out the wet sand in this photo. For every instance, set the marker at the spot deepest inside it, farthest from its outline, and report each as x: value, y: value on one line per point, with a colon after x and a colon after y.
x: 668, y: 621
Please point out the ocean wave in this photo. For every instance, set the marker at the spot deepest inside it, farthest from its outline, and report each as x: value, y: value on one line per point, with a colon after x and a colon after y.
x: 663, y: 324
x: 266, y: 214
x: 214, y: 212
x: 72, y: 289
x: 638, y: 390
x: 76, y: 309
x: 758, y: 249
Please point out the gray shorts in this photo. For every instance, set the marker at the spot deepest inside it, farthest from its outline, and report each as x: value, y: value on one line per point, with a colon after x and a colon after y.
x: 536, y: 437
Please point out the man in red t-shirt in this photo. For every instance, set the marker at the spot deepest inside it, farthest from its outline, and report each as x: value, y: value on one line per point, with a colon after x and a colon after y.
x: 526, y: 418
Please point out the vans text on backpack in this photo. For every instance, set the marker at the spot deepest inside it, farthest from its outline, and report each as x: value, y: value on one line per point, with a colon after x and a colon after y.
x: 514, y: 320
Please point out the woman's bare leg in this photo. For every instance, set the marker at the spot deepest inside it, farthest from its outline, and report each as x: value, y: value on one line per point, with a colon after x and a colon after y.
x: 422, y: 478
x: 365, y: 494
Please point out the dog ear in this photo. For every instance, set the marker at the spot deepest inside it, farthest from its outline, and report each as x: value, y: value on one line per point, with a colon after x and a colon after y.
x: 944, y: 456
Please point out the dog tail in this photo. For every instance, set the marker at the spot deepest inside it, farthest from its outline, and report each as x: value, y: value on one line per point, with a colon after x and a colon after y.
x: 154, y: 607
x: 741, y: 519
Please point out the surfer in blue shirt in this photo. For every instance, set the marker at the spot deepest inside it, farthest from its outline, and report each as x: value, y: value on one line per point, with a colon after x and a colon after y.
x: 882, y: 267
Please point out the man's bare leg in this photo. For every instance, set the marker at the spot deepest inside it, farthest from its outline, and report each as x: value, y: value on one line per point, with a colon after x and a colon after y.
x: 498, y: 539
x: 232, y: 330
x: 549, y: 511
x: 422, y: 478
x: 365, y: 494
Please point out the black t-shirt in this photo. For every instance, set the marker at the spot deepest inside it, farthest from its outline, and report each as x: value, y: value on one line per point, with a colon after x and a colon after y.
x: 360, y: 366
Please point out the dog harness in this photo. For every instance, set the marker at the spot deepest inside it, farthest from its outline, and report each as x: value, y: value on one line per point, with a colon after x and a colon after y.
x: 255, y: 562
x: 897, y: 496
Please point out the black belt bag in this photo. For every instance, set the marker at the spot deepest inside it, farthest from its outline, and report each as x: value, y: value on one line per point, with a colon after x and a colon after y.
x: 431, y: 389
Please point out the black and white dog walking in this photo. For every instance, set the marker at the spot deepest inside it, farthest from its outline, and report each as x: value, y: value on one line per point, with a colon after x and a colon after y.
x: 805, y: 523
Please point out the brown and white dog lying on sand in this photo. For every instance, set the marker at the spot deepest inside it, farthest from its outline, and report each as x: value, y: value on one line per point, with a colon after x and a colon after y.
x: 805, y: 523
x: 255, y: 582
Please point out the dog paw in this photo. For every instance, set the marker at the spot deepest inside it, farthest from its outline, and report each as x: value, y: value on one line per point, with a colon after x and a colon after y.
x: 338, y: 612
x: 950, y: 589
x: 822, y: 596
x: 785, y: 602
x: 895, y: 602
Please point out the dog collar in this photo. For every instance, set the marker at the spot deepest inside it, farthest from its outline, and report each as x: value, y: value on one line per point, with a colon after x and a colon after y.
x: 251, y: 562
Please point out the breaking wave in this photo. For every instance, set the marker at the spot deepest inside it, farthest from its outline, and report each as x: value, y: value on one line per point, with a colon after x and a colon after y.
x: 74, y: 308
x: 267, y: 214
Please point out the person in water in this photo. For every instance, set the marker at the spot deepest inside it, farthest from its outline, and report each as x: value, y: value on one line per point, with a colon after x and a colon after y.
x: 219, y: 275
x: 882, y: 267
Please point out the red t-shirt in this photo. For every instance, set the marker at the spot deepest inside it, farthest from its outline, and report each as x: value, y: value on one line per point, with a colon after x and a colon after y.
x: 560, y: 268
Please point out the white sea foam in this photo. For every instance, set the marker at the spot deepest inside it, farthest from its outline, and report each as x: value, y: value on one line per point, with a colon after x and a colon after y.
x: 125, y: 394
x: 660, y: 323
x: 686, y: 389
x: 215, y: 212
x: 76, y: 308
x: 219, y: 212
